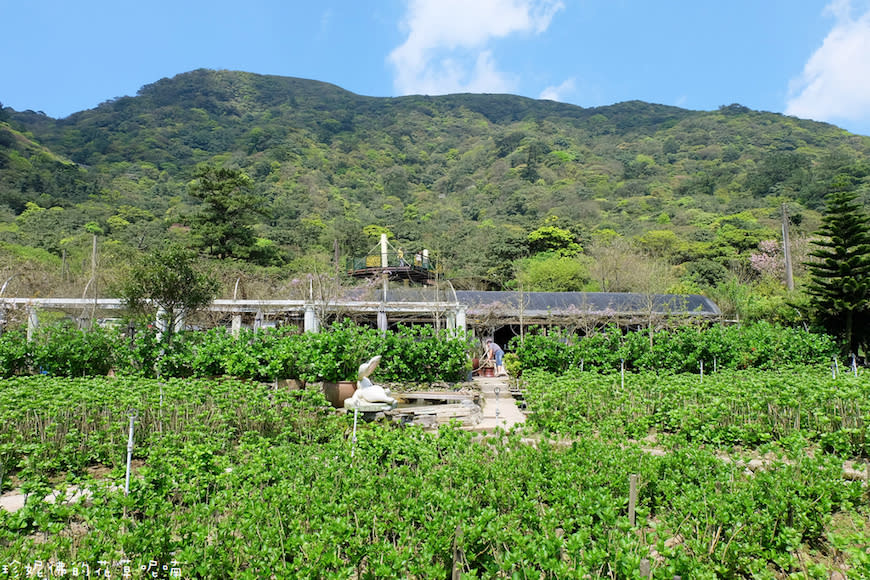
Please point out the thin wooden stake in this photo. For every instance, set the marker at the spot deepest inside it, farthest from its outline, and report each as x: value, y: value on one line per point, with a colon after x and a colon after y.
x: 622, y: 372
x: 632, y: 498
x: 645, y: 569
x: 458, y: 556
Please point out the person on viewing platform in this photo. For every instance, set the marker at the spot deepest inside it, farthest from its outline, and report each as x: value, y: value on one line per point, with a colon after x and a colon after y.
x: 494, y: 351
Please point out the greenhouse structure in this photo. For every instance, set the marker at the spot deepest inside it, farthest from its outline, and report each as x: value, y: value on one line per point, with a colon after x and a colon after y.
x: 499, y: 314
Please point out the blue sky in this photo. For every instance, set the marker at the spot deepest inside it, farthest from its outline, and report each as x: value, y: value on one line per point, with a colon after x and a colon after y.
x: 809, y: 58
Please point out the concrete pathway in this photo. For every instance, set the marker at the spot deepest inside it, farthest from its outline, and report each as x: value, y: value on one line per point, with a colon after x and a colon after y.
x: 498, y: 410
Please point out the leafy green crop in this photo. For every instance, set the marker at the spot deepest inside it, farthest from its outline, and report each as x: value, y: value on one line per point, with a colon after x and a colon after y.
x: 417, y: 505
x: 759, y: 345
x: 410, y: 354
x: 743, y: 407
x: 51, y: 425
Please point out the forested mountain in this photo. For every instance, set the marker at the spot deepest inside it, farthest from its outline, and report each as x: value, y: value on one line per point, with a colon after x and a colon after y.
x: 501, y: 189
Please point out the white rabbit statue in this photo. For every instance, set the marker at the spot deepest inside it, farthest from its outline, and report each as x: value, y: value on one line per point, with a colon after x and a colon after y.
x: 367, y: 393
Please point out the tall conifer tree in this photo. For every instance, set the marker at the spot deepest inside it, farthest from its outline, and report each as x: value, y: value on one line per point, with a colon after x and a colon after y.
x: 231, y: 207
x: 839, y: 285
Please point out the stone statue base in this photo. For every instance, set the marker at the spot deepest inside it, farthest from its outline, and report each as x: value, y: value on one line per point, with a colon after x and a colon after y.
x: 364, y: 407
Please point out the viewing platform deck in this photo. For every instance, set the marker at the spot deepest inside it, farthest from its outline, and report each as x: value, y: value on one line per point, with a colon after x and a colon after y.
x: 416, y: 274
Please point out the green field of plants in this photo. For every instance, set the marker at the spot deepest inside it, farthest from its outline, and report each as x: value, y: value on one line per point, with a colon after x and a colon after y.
x: 749, y: 408
x: 740, y: 474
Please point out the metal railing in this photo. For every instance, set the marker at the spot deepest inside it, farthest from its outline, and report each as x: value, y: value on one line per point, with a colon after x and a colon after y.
x: 395, y: 260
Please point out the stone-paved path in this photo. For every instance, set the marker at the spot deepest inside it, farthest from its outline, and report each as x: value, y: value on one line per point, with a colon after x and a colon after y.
x: 498, y: 411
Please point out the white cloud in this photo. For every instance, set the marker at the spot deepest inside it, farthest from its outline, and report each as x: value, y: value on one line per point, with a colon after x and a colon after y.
x: 835, y: 82
x: 326, y: 21
x: 558, y: 93
x: 447, y: 49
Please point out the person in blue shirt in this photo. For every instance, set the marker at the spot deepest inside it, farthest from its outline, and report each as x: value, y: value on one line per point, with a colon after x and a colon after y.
x: 494, y: 351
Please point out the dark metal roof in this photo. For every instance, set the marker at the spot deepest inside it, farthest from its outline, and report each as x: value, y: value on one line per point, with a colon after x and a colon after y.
x: 546, y: 304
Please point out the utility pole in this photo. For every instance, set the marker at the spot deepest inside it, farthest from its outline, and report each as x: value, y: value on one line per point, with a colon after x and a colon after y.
x: 786, y: 250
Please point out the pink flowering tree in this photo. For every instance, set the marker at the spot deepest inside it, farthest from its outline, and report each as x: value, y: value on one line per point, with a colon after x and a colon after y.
x: 768, y: 260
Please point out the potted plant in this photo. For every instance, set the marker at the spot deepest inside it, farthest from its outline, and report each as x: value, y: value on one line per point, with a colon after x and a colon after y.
x: 334, y: 357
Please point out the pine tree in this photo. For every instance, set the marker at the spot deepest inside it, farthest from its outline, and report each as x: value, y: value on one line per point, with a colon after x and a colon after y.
x: 224, y: 225
x: 839, y: 286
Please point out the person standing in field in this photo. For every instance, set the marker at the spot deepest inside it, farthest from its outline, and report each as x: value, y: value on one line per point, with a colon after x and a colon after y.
x: 494, y: 351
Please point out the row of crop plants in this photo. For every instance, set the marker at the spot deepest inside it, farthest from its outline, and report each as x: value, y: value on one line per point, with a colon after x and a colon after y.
x: 418, y: 354
x: 685, y: 349
x: 48, y: 424
x: 244, y: 480
x: 749, y: 408
x: 239, y: 478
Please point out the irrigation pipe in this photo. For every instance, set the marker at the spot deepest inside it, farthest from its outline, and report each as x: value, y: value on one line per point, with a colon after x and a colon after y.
x: 353, y: 438
x: 129, y: 453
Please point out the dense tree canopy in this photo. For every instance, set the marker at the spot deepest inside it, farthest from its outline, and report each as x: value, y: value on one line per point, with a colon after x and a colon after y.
x: 287, y: 172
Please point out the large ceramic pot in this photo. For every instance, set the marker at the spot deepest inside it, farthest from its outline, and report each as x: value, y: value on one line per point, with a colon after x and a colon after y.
x: 336, y: 393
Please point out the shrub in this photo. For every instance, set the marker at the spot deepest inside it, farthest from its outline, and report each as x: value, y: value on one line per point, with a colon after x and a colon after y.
x: 64, y: 350
x: 14, y: 353
x: 759, y: 345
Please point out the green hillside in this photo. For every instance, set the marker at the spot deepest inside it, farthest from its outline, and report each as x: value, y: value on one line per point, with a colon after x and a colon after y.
x: 502, y: 190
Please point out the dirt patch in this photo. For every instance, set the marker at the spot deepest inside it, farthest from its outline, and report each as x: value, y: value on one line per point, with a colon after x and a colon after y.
x: 14, y: 500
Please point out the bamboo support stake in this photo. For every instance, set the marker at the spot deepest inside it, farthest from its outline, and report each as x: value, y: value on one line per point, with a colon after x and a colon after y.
x: 632, y: 499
